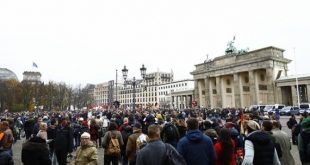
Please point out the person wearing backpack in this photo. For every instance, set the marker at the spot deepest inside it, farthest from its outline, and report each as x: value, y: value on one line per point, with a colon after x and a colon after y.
x: 112, y: 142
x: 304, y: 142
x: 134, y: 143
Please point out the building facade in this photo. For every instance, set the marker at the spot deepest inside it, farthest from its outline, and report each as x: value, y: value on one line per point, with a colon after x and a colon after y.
x: 32, y: 77
x: 240, y: 79
x: 287, y: 89
x: 177, y: 94
x: 146, y: 93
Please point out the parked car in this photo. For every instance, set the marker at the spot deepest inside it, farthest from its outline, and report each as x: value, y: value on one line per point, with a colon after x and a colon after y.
x: 256, y: 107
x: 272, y: 108
x: 304, y: 107
x: 289, y: 110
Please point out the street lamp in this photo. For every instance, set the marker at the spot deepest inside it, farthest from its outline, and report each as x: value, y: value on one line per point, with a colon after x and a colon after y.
x: 133, y: 82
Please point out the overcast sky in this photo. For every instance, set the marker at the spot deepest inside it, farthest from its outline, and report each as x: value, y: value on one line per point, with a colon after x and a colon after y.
x: 81, y: 42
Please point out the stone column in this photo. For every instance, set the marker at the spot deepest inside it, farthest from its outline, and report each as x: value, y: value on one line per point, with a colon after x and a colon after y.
x: 308, y: 92
x: 270, y: 86
x: 219, y: 92
x: 207, y: 92
x: 279, y: 96
x: 294, y: 95
x: 183, y: 101
x: 172, y: 102
x: 237, y: 90
x: 211, y: 94
x: 196, y: 91
x: 253, y: 87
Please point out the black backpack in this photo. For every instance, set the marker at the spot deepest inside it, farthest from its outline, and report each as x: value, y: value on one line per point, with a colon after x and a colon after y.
x: 170, y: 132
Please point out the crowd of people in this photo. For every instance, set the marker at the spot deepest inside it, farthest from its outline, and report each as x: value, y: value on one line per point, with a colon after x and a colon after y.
x: 191, y: 136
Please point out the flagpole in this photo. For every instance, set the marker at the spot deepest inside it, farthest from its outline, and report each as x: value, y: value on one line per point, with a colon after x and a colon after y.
x: 297, y: 88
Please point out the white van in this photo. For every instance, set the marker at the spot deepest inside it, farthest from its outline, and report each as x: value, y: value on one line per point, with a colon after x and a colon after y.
x: 304, y: 107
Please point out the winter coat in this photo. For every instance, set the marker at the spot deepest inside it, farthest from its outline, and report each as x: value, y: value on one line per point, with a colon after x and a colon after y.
x: 284, y: 141
x: 218, y: 151
x: 146, y: 155
x: 131, y: 145
x: 197, y: 148
x: 64, y: 139
x: 107, y: 138
x: 35, y: 152
x: 302, y: 146
x: 86, y: 155
x: 5, y: 157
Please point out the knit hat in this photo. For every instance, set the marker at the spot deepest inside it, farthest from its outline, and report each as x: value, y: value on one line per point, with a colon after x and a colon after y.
x: 85, y: 135
x: 137, y: 125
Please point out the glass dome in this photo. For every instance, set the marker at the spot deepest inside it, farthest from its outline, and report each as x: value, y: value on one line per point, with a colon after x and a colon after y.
x: 6, y: 74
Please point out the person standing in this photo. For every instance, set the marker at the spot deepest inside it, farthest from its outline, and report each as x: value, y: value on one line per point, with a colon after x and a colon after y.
x: 284, y: 141
x: 93, y: 131
x: 115, y: 134
x: 87, y: 153
x: 259, y: 148
x: 195, y: 147
x: 51, y: 134
x: 156, y: 145
x: 7, y: 139
x: 304, y: 142
x: 63, y: 142
x: 225, y: 148
x: 35, y: 152
x: 131, y: 147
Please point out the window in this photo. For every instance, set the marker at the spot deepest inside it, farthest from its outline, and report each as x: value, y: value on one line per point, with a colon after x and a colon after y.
x: 228, y: 90
x: 228, y: 82
x: 246, y: 79
x: 262, y: 77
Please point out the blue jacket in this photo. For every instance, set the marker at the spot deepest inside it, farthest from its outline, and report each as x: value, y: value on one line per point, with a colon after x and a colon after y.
x: 197, y: 148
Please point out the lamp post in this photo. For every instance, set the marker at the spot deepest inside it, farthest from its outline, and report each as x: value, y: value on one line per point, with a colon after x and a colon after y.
x: 133, y: 82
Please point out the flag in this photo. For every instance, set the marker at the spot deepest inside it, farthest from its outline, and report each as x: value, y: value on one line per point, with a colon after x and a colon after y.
x: 34, y: 64
x: 242, y: 122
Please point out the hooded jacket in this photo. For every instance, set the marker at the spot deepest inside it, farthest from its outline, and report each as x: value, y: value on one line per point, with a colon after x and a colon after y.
x: 35, y: 152
x: 197, y: 148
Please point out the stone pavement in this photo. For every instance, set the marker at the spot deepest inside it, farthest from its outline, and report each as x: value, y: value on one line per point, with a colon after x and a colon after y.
x: 17, y: 147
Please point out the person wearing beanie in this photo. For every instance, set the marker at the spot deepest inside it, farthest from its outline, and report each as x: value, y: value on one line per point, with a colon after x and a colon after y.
x: 131, y: 147
x: 304, y: 141
x: 86, y: 153
x: 259, y: 148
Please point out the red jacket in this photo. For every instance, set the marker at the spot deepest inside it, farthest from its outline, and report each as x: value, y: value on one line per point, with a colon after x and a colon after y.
x: 218, y: 151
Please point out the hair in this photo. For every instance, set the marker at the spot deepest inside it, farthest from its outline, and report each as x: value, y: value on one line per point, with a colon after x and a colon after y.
x: 112, y: 126
x: 43, y: 126
x: 153, y: 131
x: 227, y: 148
x: 267, y: 124
x: 5, y: 123
x: 276, y: 124
x: 53, y: 121
x: 92, y: 122
x: 192, y: 124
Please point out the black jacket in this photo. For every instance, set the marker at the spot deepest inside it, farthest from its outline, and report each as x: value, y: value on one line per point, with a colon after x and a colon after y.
x: 64, y: 139
x: 263, y: 148
x: 35, y: 152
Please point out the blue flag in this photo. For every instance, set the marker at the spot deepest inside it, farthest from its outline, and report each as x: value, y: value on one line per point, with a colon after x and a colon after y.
x: 34, y: 64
